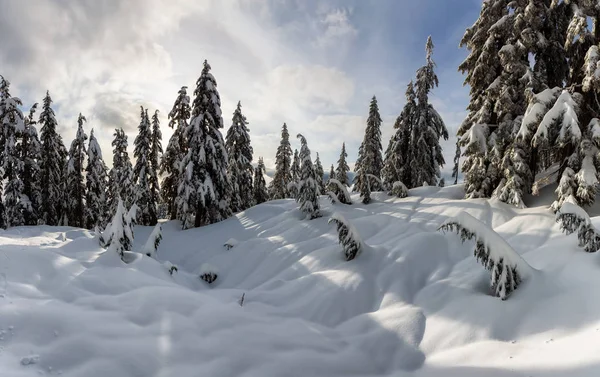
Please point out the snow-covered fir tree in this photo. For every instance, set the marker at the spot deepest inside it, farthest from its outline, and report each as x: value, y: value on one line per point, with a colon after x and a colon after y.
x: 338, y: 192
x: 370, y: 159
x: 155, y: 155
x: 296, y: 167
x: 142, y: 172
x: 398, y: 155
x: 456, y: 168
x: 118, y: 236
x: 341, y: 172
x: 75, y: 181
x: 507, y: 267
x: 308, y: 195
x: 151, y: 246
x: 170, y: 164
x: 331, y: 173
x: 348, y: 236
x: 120, y: 177
x: 365, y: 187
x: 12, y: 125
x: 573, y: 218
x: 260, y: 191
x: 240, y: 170
x: 278, y: 189
x: 206, y: 189
x: 31, y: 150
x: 53, y: 163
x: 428, y: 128
x: 319, y: 173
x: 96, y: 211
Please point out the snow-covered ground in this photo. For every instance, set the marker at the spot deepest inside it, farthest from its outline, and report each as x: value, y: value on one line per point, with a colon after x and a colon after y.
x: 415, y: 302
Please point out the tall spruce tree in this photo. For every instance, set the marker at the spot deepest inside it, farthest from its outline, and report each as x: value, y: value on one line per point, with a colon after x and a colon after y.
x: 96, y: 211
x: 12, y: 125
x: 240, y: 168
x: 261, y: 194
x: 4, y: 97
x: 53, y: 163
x: 206, y: 188
x: 319, y: 173
x: 398, y: 154
x: 331, y: 173
x: 456, y: 168
x: 426, y: 153
x: 120, y: 177
x: 370, y: 159
x: 31, y: 152
x: 170, y: 164
x: 75, y: 181
x: 283, y: 160
x: 155, y: 154
x: 308, y: 195
x: 341, y: 172
x: 142, y: 172
x: 296, y: 167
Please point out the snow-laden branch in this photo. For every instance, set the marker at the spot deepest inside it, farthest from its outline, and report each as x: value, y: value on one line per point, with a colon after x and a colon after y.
x: 399, y: 189
x: 339, y: 191
x: 573, y: 218
x: 493, y: 252
x: 348, y: 236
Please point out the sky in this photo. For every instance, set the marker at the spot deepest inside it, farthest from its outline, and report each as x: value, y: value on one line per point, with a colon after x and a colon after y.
x: 312, y: 64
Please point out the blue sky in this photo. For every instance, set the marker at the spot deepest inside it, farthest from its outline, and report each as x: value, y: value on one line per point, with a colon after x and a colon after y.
x: 312, y: 64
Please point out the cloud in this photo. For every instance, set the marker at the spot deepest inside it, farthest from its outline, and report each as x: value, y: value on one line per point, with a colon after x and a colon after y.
x: 335, y: 27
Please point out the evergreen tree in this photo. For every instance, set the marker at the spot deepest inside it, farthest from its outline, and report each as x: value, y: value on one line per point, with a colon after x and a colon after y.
x: 278, y: 189
x: 12, y: 125
x: 308, y: 195
x: 118, y: 236
x: 427, y: 156
x: 170, y: 165
x: 319, y: 174
x: 341, y: 172
x: 155, y: 152
x: 296, y: 167
x: 261, y: 194
x: 4, y: 97
x: 240, y: 168
x: 397, y: 163
x: 96, y: 174
x: 370, y: 160
x: 347, y: 236
x: 206, y: 188
x: 331, y: 173
x: 120, y: 177
x: 53, y: 163
x: 75, y: 183
x: 31, y: 150
x: 142, y: 172
x: 456, y: 169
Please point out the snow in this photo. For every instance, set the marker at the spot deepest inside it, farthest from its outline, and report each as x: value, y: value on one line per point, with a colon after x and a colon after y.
x: 565, y: 108
x: 414, y: 303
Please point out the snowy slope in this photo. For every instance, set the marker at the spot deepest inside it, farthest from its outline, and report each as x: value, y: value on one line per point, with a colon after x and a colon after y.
x: 414, y: 302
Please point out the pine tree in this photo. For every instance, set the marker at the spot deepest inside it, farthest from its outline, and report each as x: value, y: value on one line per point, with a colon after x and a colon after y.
x: 4, y: 97
x: 319, y: 175
x: 240, y: 168
x: 341, y: 172
x: 283, y: 160
x: 261, y: 194
x: 206, y: 188
x: 348, y: 236
x: 397, y: 166
x: 331, y: 173
x: 428, y: 128
x: 170, y: 165
x: 118, y: 236
x: 12, y: 125
x: 120, y: 177
x: 155, y: 152
x: 370, y: 160
x: 75, y: 182
x: 296, y: 167
x: 31, y: 150
x: 53, y: 163
x: 456, y: 169
x: 142, y: 172
x: 365, y: 187
x: 308, y: 195
x: 96, y: 174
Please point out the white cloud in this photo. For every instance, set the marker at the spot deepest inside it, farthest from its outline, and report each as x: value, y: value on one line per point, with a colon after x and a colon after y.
x: 336, y: 27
